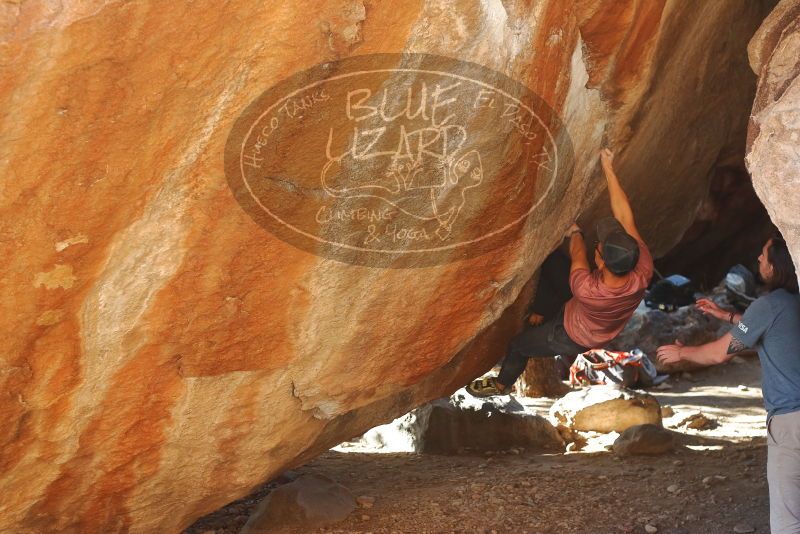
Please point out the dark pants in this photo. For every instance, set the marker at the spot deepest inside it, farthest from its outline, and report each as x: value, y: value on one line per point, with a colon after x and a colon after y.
x: 549, y: 338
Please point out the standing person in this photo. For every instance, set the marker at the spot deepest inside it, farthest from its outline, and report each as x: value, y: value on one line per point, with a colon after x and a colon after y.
x: 771, y: 324
x: 595, y: 307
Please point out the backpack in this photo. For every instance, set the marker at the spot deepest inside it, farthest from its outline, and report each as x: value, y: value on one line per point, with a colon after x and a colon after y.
x: 626, y: 369
x: 670, y: 293
x: 740, y: 286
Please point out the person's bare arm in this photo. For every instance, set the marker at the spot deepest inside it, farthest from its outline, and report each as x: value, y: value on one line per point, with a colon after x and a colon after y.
x: 716, y: 352
x: 620, y: 205
x: 577, y: 249
x: 709, y: 307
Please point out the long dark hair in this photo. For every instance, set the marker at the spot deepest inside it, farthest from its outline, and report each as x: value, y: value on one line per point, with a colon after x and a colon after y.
x: 783, y: 272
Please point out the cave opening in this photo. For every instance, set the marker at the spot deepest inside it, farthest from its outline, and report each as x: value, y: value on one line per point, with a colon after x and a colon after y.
x: 729, y: 228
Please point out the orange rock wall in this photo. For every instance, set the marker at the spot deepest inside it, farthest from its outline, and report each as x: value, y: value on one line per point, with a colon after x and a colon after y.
x: 161, y: 353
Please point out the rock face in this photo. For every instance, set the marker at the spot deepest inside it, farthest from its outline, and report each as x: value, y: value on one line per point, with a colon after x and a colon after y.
x: 163, y: 353
x: 731, y: 227
x: 605, y: 409
x: 648, y: 329
x: 774, y: 131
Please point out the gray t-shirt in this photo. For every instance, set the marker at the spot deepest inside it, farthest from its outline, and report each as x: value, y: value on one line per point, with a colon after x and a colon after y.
x: 772, y: 325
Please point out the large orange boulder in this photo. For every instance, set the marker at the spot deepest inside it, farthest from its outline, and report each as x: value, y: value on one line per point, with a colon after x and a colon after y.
x: 169, y: 340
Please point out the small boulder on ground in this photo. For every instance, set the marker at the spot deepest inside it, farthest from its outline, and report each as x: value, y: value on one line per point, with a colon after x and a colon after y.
x: 644, y: 440
x: 311, y: 501
x: 605, y: 409
x: 365, y: 501
x: 699, y: 421
x: 463, y: 423
x: 497, y: 423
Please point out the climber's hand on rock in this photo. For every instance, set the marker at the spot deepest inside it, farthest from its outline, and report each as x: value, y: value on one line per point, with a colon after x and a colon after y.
x: 571, y: 230
x: 607, y: 158
x: 708, y: 307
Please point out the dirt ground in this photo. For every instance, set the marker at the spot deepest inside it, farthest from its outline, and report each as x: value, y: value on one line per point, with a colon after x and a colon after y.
x: 715, y: 482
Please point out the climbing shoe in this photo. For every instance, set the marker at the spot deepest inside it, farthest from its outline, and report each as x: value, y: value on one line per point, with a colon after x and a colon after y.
x: 486, y: 387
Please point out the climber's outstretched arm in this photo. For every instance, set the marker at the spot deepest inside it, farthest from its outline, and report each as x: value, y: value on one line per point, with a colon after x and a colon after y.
x: 620, y: 205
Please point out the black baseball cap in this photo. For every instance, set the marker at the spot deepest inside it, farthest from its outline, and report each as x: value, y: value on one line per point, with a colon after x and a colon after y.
x: 620, y: 251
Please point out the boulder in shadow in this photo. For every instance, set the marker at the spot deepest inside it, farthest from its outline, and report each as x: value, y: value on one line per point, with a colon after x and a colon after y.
x: 311, y: 501
x: 644, y: 440
x: 498, y: 423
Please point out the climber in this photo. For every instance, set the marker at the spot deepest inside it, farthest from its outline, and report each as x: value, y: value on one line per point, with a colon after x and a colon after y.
x: 590, y: 308
x: 771, y: 324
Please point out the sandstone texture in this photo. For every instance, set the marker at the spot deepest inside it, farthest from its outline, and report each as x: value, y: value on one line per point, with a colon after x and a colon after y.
x: 773, y: 136
x: 162, y: 353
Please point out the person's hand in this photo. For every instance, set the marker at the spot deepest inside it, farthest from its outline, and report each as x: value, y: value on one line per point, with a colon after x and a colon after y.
x: 670, y: 353
x: 708, y: 307
x: 571, y: 230
x: 607, y: 158
x: 535, y: 319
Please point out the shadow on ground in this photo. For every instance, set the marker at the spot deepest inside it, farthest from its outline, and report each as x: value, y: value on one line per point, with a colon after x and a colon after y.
x: 713, y: 482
